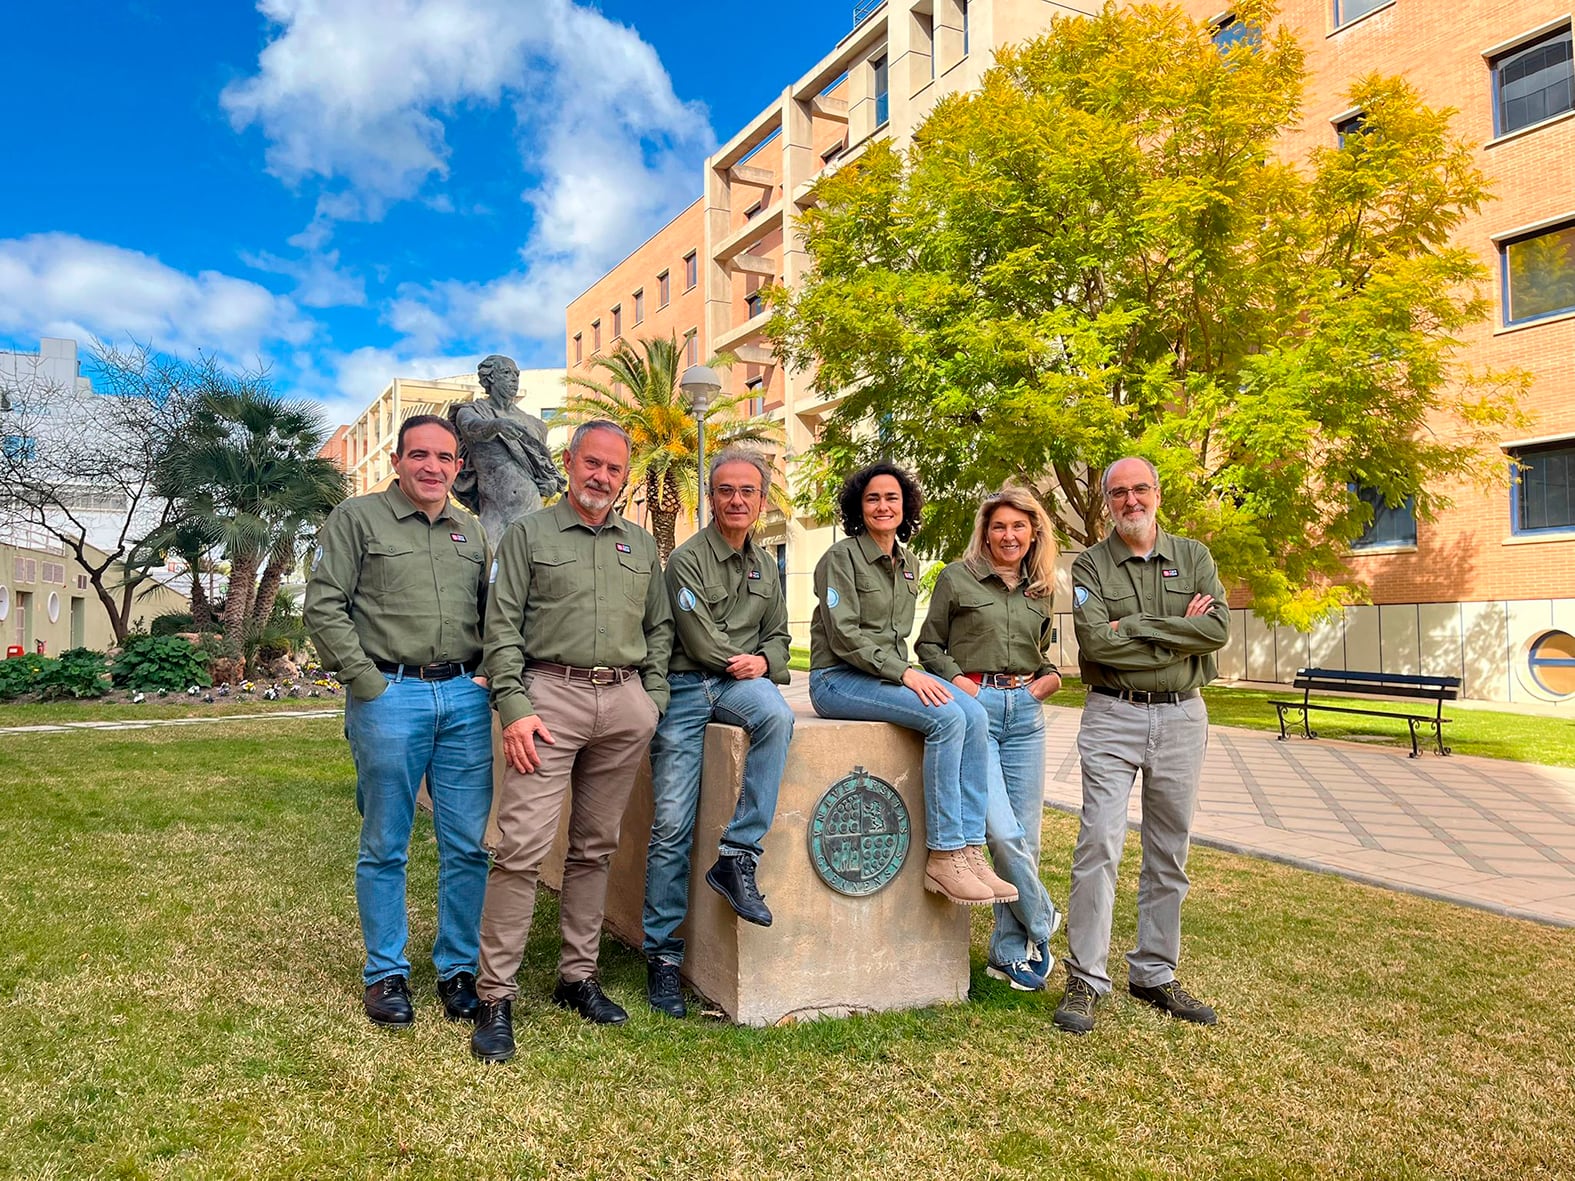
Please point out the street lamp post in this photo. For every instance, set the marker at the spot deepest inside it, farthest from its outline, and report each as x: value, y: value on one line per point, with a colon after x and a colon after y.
x: 700, y: 384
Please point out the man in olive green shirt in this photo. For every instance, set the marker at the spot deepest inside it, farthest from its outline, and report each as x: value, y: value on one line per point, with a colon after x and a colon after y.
x: 578, y: 634
x: 732, y: 645
x: 1150, y: 614
x: 394, y: 605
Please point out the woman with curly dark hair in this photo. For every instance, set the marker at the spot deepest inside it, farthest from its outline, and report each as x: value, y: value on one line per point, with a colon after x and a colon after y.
x: 867, y: 586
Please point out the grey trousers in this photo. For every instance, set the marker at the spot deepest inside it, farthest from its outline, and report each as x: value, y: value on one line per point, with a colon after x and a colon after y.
x: 1117, y: 741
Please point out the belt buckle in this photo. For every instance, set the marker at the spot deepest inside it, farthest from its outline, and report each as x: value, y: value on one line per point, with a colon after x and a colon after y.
x: 603, y: 674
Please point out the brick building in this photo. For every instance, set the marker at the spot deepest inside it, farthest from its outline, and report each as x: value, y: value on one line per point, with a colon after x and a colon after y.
x: 1488, y: 590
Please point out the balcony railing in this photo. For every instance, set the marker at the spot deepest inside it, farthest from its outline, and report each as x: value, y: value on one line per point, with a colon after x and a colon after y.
x: 862, y: 9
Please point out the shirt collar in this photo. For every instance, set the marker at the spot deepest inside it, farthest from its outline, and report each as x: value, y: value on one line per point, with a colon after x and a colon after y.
x: 403, y: 508
x: 565, y: 518
x: 1164, y: 547
x: 873, y: 553
x: 721, y: 550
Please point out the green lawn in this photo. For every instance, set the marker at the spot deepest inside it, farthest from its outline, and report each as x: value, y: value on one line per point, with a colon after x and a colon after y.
x: 177, y: 706
x: 179, y: 997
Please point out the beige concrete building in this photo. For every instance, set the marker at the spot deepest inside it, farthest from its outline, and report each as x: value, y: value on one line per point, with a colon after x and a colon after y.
x: 365, y: 447
x: 48, y: 605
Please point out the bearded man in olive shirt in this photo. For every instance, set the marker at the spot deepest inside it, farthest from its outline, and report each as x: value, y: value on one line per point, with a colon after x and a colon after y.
x: 578, y: 634
x: 1150, y: 614
x: 732, y: 652
x: 394, y: 605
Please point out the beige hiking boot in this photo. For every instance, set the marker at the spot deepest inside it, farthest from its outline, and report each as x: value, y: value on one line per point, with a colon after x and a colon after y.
x: 1001, y: 889
x: 947, y: 872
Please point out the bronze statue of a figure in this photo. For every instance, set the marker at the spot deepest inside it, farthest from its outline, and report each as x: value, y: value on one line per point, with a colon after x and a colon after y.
x: 508, y: 468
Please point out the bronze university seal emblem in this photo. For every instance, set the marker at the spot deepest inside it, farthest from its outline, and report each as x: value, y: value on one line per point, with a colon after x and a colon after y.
x: 859, y: 834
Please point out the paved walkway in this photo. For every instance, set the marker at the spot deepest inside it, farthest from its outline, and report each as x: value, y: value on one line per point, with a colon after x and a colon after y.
x: 145, y: 723
x: 1481, y: 832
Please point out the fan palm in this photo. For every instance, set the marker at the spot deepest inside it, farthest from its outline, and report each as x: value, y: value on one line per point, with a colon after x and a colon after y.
x: 642, y: 396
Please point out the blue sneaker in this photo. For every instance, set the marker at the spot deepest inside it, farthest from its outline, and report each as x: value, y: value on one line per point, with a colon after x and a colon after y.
x: 1023, y: 975
x: 1040, y: 959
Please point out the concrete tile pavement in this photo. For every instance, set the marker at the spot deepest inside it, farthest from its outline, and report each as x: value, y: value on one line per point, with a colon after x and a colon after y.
x: 1479, y: 832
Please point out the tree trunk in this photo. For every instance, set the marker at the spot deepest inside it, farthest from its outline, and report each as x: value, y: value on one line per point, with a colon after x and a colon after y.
x: 243, y: 583
x: 665, y: 504
x: 282, y: 558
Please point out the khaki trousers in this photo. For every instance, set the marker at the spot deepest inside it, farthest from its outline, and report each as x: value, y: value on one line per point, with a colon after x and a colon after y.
x: 601, y: 732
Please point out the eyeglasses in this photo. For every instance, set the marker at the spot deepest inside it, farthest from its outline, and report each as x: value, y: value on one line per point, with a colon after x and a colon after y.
x: 1142, y: 491
x: 729, y: 491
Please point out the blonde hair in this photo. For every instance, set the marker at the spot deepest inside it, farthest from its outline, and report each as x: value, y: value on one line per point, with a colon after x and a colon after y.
x: 1037, y: 567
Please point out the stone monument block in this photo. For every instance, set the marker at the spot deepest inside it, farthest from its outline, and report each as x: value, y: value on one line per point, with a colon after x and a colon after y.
x: 826, y: 953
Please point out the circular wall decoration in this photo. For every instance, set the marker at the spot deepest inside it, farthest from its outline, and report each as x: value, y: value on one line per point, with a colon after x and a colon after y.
x: 1550, y: 659
x: 53, y: 606
x: 858, y: 834
x: 5, y: 601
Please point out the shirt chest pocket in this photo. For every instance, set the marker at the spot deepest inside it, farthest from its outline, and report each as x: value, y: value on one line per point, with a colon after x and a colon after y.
x: 635, y: 573
x: 553, y: 574
x: 393, y: 567
x: 1121, y: 606
x: 1177, y: 593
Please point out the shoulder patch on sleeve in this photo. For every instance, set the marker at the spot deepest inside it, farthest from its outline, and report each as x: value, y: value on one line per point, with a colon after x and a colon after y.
x: 493, y: 576
x: 317, y: 556
x: 832, y: 598
x: 1079, y: 595
x: 686, y: 599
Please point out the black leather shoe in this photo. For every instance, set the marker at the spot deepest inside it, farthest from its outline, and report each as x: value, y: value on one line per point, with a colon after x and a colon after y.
x: 587, y: 999
x: 734, y: 879
x: 388, y: 1002
x: 458, y: 994
x: 662, y: 988
x: 493, y: 1040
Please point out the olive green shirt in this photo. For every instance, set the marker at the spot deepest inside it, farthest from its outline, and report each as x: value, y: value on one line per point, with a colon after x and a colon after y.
x: 726, y: 603
x: 564, y: 592
x: 1155, y: 648
x: 864, y: 612
x: 388, y: 584
x: 976, y: 625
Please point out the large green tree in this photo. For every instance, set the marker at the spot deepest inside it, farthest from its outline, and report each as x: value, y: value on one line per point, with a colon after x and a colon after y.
x: 642, y: 396
x: 1106, y: 250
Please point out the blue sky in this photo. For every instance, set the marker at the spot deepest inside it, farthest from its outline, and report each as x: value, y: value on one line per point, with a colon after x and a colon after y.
x: 350, y: 190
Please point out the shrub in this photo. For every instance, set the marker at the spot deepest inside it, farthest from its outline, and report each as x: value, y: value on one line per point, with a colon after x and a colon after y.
x: 21, y: 674
x: 150, y: 663
x: 80, y: 672
x: 172, y: 623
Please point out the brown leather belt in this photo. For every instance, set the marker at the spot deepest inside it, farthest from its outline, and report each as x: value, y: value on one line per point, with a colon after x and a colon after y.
x: 1001, y: 680
x: 1139, y: 697
x: 445, y: 670
x: 602, y: 674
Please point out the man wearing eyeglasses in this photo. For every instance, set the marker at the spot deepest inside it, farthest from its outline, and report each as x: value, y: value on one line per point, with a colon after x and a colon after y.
x: 1150, y: 614
x: 731, y: 653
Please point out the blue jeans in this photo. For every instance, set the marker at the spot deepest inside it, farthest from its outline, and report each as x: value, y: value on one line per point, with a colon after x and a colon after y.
x: 1016, y: 814
x: 440, y: 730
x: 677, y: 754
x: 956, y: 745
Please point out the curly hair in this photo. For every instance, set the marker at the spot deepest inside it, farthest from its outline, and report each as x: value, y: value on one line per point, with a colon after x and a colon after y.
x: 850, y: 502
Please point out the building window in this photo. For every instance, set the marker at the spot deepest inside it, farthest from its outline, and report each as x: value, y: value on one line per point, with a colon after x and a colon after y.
x: 1391, y: 525
x: 924, y: 37
x: 596, y: 336
x: 962, y: 11
x: 1230, y: 32
x: 617, y: 320
x: 579, y: 348
x: 757, y: 398
x: 692, y: 347
x: 664, y: 291
x: 1539, y: 274
x: 19, y: 447
x: 882, y: 91
x: 1544, y: 487
x: 1346, y: 11
x: 1533, y: 83
x: 755, y: 303
x: 691, y: 271
x: 754, y: 210
x: 1551, y: 660
x: 551, y: 413
x: 639, y: 306
x: 1347, y: 127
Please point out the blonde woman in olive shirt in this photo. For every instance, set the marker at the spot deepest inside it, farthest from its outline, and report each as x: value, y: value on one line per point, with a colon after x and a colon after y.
x: 986, y: 633
x: 867, y: 587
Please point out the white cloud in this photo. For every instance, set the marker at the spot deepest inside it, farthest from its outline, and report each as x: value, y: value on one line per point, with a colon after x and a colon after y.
x: 356, y: 96
x: 344, y: 384
x: 62, y: 285
x: 320, y: 281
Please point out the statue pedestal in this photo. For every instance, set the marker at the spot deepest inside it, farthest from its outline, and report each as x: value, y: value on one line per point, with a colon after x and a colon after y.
x: 826, y: 953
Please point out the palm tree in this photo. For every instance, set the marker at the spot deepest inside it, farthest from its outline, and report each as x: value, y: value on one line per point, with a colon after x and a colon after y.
x: 643, y: 398
x: 246, y: 474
